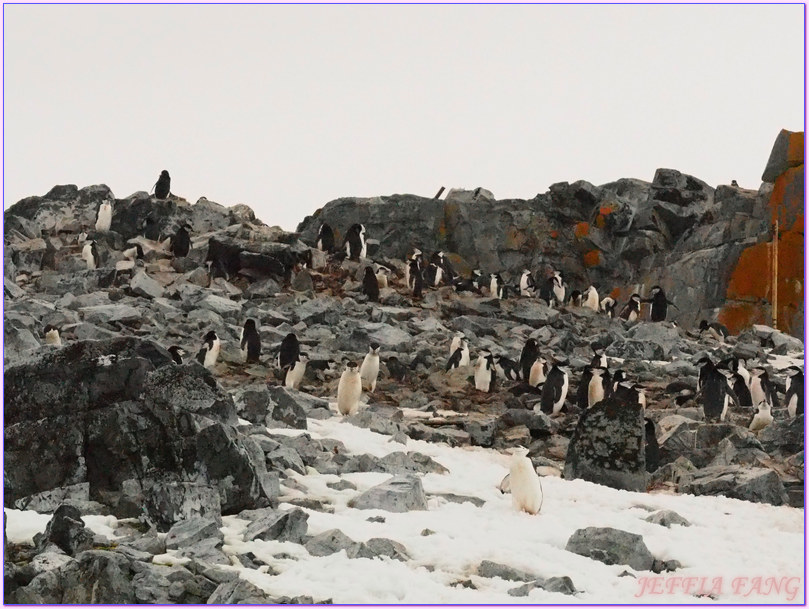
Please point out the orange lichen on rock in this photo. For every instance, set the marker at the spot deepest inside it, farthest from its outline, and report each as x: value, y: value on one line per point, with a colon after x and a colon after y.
x: 592, y: 258
x: 554, y: 234
x: 606, y: 210
x: 582, y: 229
x: 786, y: 199
x: 515, y: 238
x: 615, y: 294
x: 738, y: 316
x: 795, y: 149
x: 751, y: 277
x: 600, y: 221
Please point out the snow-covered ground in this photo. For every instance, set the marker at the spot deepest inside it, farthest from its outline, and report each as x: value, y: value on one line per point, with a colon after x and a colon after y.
x: 729, y: 544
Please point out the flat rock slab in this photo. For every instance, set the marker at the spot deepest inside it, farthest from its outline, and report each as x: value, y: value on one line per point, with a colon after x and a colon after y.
x: 399, y: 494
x: 612, y: 547
x: 189, y: 532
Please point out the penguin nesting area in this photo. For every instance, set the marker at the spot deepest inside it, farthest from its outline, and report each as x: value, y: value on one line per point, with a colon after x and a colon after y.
x: 211, y: 474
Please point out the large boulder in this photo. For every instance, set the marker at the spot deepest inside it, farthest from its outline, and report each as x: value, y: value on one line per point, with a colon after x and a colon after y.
x: 756, y: 484
x: 398, y: 494
x: 612, y: 547
x: 608, y: 446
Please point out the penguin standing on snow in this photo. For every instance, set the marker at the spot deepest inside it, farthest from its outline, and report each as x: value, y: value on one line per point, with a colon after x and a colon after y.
x: 289, y: 352
x: 660, y: 304
x: 716, y: 396
x: 527, y: 285
x: 250, y: 342
x: 209, y: 352
x: 295, y: 373
x: 554, y: 390
x: 52, y: 336
x: 485, y: 372
x: 715, y: 329
x: 631, y: 310
x: 177, y: 354
x: 325, y: 238
x: 181, y: 241
x: 349, y: 390
x: 526, y: 489
x: 370, y: 285
x: 355, y: 244
x: 162, y: 187
x: 599, y: 386
x: 794, y: 392
x: 90, y: 254
x: 104, y: 217
x: 590, y: 298
x: 459, y: 357
x: 369, y: 371
x: 529, y: 354
x: 507, y: 368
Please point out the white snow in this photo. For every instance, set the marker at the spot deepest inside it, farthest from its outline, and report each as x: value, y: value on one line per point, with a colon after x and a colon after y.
x: 732, y: 540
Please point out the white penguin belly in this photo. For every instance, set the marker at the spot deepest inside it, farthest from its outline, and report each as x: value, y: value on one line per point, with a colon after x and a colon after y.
x: 295, y: 375
x: 349, y: 391
x: 526, y: 492
x: 369, y: 372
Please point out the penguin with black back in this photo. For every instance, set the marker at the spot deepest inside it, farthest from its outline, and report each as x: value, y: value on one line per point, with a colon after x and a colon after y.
x: 528, y: 355
x: 370, y: 285
x: 325, y: 238
x: 794, y: 391
x: 652, y: 447
x: 250, y: 342
x: 554, y: 390
x: 416, y: 279
x: 209, y: 352
x: 631, y: 310
x: 162, y: 187
x: 151, y: 228
x: 736, y: 381
x: 181, y: 241
x: 716, y: 394
x: 177, y: 354
x: 507, y: 368
x: 289, y: 352
x: 355, y: 244
x: 460, y: 357
x: 582, y: 393
x: 660, y: 304
x: 715, y: 329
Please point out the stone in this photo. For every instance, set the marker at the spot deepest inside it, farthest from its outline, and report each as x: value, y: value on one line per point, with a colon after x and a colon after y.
x: 188, y: 532
x: 787, y: 151
x: 170, y: 501
x: 756, y: 484
x: 284, y: 526
x: 66, y: 529
x: 143, y: 285
x: 667, y: 518
x: 612, y: 547
x: 398, y: 494
x: 330, y: 542
x: 284, y: 457
x: 488, y: 568
x: 608, y: 446
x: 783, y: 436
x: 110, y: 313
x: 220, y: 305
x: 239, y: 591
x: 381, y: 547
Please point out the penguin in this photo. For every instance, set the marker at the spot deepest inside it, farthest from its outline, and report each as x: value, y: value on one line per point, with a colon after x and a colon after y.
x: 575, y: 299
x: 477, y: 280
x: 134, y: 253
x: 631, y: 310
x: 448, y: 272
x: 496, y: 288
x: 599, y: 386
x: 456, y: 342
x: 177, y: 354
x: 370, y: 285
x: 181, y: 241
x: 526, y: 489
x: 162, y: 187
x: 369, y: 371
x: 295, y: 373
x: 382, y: 273
x: 554, y: 390
x: 660, y: 304
x: 104, y: 217
x: 250, y: 342
x: 349, y: 390
x: 761, y: 389
x: 151, y: 229
x: 617, y: 377
x: 590, y: 298
x: 507, y: 368
x: 762, y: 418
x: 325, y: 238
x: 608, y: 305
x: 538, y: 373
x: 433, y: 275
x: 289, y: 352
x: 209, y: 352
x: 582, y: 394
x: 737, y: 381
x: 396, y: 369
x: 715, y: 392
x: 52, y: 336
x: 415, y: 279
x: 599, y: 359
x: 715, y: 329
x: 529, y: 354
x: 734, y: 183
x: 794, y: 391
x: 652, y: 447
x: 630, y: 394
x: 527, y: 285
x: 416, y: 257
x: 485, y: 373
x: 90, y: 254
x: 355, y: 244
x: 459, y: 357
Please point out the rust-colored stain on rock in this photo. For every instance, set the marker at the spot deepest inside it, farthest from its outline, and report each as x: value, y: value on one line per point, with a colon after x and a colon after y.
x: 795, y: 149
x: 600, y: 221
x: 592, y: 258
x: 582, y: 229
x: 515, y: 238
x: 751, y: 277
x: 554, y: 234
x: 739, y: 316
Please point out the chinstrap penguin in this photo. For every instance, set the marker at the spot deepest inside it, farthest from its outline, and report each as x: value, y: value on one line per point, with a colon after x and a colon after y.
x: 369, y: 371
x: 523, y: 481
x: 349, y: 390
x: 104, y: 218
x: 209, y: 352
x: 162, y: 187
x: 250, y: 342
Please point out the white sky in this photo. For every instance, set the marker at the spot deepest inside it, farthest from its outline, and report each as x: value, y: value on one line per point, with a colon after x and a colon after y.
x: 285, y: 108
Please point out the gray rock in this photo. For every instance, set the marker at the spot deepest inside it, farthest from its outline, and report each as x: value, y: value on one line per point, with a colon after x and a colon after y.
x: 453, y: 498
x: 143, y: 285
x: 488, y: 568
x: 608, y: 446
x: 665, y: 336
x: 110, y: 313
x: 531, y: 312
x: 330, y: 542
x: 376, y: 421
x: 66, y: 530
x: 410, y: 463
x: 170, y: 501
x: 398, y: 494
x: 293, y: 401
x: 188, y: 532
x: 222, y: 306
x: 783, y: 436
x: 302, y: 282
x: 612, y: 547
x: 263, y: 288
x: 667, y: 518
x: 449, y: 435
x: 284, y: 526
x: 756, y: 484
x: 239, y: 591
x: 381, y: 547
x: 481, y: 433
x: 635, y: 350
x: 284, y: 457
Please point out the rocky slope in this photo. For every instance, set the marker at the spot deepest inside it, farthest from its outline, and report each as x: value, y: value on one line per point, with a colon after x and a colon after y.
x: 108, y: 424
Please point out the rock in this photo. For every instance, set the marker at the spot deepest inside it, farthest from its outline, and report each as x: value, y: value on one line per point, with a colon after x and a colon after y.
x: 98, y: 576
x: 188, y: 532
x: 698, y: 442
x: 756, y: 484
x: 379, y: 546
x: 488, y: 568
x: 66, y: 529
x: 481, y: 433
x: 239, y: 591
x: 563, y: 585
x: 635, y: 350
x: 263, y: 288
x: 110, y: 313
x: 294, y: 402
x: 608, y: 446
x: 531, y: 312
x: 398, y: 494
x: 375, y: 421
x: 539, y: 423
x: 667, y: 518
x: 453, y: 498
x: 330, y: 542
x: 449, y: 435
x: 783, y: 436
x: 786, y: 152
x: 665, y: 336
x: 302, y: 282
x: 414, y: 462
x: 18, y: 343
x: 289, y: 412
x: 612, y: 547
x: 284, y: 526
x: 143, y: 285
x: 222, y: 306
x: 284, y: 457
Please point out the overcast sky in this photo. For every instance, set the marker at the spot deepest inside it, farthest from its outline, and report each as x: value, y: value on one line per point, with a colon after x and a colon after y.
x: 285, y: 108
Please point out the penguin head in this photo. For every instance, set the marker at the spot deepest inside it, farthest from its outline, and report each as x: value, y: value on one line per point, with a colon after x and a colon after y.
x: 477, y: 273
x: 373, y: 348
x: 176, y: 349
x: 794, y: 371
x: 351, y: 366
x: 51, y: 328
x: 519, y: 451
x: 655, y: 289
x: 303, y: 358
x: 704, y: 360
x: 250, y: 325
x: 382, y: 269
x: 618, y: 376
x: 635, y: 298
x: 369, y: 273
x: 703, y: 325
x: 211, y: 336
x: 164, y: 174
